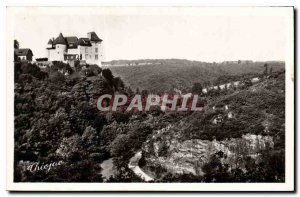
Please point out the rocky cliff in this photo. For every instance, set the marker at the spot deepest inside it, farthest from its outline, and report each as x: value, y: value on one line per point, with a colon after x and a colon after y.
x: 166, y: 150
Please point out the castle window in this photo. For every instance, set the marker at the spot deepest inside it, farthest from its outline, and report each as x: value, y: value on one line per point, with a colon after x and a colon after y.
x: 96, y: 50
x: 57, y: 46
x: 96, y: 57
x: 86, y: 56
x: 57, y: 52
x: 86, y: 50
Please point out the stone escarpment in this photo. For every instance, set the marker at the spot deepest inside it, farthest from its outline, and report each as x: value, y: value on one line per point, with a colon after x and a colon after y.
x: 167, y: 152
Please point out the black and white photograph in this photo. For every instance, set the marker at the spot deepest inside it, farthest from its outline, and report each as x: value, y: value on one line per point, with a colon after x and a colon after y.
x: 150, y: 98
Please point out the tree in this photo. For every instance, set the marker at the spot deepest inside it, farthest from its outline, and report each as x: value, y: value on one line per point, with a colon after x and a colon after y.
x: 137, y: 91
x: 271, y: 70
x: 95, y: 69
x: 266, y: 69
x: 215, y: 170
x: 197, y: 88
x: 118, y: 83
x: 16, y: 44
x: 108, y: 75
x: 28, y: 68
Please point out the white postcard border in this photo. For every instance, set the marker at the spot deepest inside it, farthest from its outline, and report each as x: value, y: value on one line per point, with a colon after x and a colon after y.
x: 286, y: 12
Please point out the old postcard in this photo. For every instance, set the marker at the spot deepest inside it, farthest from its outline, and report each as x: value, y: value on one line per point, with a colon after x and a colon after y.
x: 150, y: 98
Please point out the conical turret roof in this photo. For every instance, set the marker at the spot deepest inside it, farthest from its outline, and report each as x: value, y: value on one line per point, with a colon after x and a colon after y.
x: 50, y: 41
x: 60, y: 40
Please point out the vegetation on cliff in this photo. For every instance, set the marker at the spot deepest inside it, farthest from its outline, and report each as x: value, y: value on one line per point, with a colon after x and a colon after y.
x: 56, y: 119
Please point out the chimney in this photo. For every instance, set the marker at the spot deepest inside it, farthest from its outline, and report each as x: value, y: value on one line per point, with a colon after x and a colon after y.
x: 89, y: 35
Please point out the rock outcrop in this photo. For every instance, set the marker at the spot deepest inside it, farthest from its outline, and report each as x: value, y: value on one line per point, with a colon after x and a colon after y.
x: 166, y: 150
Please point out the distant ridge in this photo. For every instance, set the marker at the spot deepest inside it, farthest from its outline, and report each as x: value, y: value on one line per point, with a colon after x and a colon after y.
x: 176, y: 61
x: 167, y: 74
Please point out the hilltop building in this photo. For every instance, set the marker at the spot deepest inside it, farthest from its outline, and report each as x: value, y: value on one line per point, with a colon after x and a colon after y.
x: 69, y: 49
x: 23, y: 55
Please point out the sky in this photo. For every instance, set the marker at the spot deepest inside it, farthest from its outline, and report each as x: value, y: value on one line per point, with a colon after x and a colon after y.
x: 193, y: 37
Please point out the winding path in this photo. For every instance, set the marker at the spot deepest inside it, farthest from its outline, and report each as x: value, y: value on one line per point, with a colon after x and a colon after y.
x: 134, y: 166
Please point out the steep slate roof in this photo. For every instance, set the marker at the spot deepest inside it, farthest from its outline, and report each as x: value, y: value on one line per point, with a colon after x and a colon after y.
x: 94, y: 37
x: 22, y: 52
x: 84, y: 42
x: 72, y: 42
x: 72, y: 39
x: 60, y: 40
x: 50, y: 41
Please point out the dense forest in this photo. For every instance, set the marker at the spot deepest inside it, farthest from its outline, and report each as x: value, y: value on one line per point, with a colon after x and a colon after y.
x: 56, y: 119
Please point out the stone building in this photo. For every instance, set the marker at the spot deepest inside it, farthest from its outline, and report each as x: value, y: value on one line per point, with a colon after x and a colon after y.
x: 23, y: 55
x: 70, y: 49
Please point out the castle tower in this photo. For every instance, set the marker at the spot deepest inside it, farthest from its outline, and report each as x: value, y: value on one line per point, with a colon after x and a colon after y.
x: 96, y: 48
x: 50, y: 44
x: 60, y: 47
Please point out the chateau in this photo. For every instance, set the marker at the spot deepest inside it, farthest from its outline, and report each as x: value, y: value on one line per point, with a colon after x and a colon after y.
x: 69, y: 49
